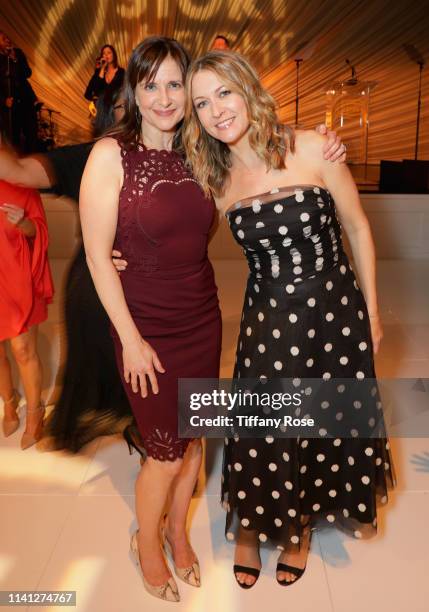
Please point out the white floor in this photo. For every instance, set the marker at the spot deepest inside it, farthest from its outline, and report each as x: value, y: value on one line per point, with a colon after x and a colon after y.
x: 65, y: 520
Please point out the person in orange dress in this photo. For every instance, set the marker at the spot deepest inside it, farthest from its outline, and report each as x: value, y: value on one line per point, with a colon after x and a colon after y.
x: 26, y: 289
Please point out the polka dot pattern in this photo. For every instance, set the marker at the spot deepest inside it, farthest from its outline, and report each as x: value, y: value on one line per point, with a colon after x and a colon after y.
x: 304, y: 316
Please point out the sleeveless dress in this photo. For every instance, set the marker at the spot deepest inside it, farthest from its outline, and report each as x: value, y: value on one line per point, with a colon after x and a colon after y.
x: 303, y: 316
x: 163, y: 225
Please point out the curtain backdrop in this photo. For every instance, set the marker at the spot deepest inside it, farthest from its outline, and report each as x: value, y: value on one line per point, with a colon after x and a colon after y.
x: 62, y: 38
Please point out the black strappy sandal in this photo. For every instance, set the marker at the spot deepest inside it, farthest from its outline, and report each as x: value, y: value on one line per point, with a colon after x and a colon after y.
x: 296, y: 571
x: 246, y: 570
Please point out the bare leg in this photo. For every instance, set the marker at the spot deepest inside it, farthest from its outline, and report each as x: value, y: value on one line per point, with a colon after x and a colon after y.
x: 247, y: 554
x: 24, y: 349
x: 180, y: 499
x: 6, y: 385
x: 296, y: 559
x: 152, y: 486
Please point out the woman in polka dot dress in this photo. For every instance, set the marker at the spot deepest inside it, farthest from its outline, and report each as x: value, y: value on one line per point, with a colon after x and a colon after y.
x: 304, y: 314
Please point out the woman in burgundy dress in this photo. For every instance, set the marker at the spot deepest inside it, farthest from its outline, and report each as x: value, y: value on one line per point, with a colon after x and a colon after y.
x: 138, y: 196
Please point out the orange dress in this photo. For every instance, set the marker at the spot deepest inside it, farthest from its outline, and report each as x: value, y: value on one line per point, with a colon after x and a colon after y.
x: 26, y: 286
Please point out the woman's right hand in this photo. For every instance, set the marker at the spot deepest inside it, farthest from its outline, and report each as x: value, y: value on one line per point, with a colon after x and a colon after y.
x: 140, y: 360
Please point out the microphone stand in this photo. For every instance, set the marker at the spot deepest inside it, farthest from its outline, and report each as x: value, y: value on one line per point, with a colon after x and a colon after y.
x: 353, y: 79
x: 415, y: 56
x: 297, y: 62
x: 419, y: 104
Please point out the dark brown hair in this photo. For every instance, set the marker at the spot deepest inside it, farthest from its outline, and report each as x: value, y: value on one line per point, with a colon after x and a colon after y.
x: 144, y: 63
x: 113, y: 50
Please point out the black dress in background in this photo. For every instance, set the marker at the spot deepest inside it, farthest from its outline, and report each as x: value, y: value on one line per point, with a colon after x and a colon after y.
x: 92, y: 400
x: 98, y: 86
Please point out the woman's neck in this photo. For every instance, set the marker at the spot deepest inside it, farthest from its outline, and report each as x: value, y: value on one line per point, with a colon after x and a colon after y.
x: 157, y: 139
x: 243, y: 156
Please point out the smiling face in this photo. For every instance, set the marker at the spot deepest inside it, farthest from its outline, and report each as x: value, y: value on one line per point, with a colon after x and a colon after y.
x: 221, y: 110
x: 161, y: 100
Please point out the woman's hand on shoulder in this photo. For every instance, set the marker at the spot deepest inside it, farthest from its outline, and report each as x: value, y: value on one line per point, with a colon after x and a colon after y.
x: 333, y: 149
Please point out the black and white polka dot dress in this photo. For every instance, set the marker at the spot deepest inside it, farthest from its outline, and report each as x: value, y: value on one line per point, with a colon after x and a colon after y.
x: 303, y: 316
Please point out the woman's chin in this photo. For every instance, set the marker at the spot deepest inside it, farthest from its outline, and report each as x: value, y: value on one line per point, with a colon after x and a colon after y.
x: 229, y: 137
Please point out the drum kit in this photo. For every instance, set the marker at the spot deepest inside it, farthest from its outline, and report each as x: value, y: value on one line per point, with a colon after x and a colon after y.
x: 47, y: 127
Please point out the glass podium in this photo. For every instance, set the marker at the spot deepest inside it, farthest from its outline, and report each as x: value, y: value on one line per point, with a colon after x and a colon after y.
x: 347, y: 112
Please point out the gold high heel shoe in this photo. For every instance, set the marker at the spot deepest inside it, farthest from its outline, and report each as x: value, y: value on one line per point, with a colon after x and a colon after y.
x: 167, y: 591
x: 191, y: 574
x: 11, y: 425
x: 27, y: 439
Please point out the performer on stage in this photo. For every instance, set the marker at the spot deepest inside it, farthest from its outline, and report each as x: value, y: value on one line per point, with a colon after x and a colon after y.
x: 25, y: 291
x: 304, y: 314
x: 17, y: 98
x: 108, y: 75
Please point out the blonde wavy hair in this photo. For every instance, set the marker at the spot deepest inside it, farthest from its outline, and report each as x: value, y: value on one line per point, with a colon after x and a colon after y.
x: 209, y: 158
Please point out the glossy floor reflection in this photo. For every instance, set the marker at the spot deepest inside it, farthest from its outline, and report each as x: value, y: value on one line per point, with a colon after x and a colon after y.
x: 66, y: 520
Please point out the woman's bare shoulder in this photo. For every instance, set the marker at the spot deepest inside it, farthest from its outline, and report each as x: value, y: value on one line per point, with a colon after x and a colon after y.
x: 309, y: 148
x: 308, y: 141
x: 107, y: 146
x: 106, y: 155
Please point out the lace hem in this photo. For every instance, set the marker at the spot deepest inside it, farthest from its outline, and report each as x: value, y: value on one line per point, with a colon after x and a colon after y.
x: 164, y: 446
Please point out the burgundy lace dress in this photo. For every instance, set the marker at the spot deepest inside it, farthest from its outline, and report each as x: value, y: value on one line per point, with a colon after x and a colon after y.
x: 163, y: 225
